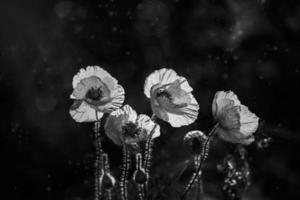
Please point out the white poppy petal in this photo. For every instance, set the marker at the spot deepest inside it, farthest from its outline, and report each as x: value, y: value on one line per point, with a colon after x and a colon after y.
x: 162, y: 76
x: 117, y: 120
x: 116, y: 101
x: 147, y: 124
x: 82, y: 112
x: 92, y: 71
x: 192, y: 108
x: 113, y: 94
x: 234, y: 136
x: 171, y: 97
x: 221, y: 99
x: 160, y: 112
x: 248, y: 121
x: 84, y: 85
x: 130, y: 114
x: 180, y: 120
x: 113, y: 126
x: 185, y: 115
x: 184, y: 85
x: 79, y: 92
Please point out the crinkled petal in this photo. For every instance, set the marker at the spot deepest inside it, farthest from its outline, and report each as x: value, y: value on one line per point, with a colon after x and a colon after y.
x: 221, y: 99
x: 234, y: 136
x: 229, y: 116
x: 163, y: 77
x: 116, y: 120
x: 129, y: 113
x: 248, y: 121
x: 116, y: 101
x: 94, y: 71
x: 148, y: 125
x: 84, y: 85
x: 179, y: 117
x: 192, y: 108
x: 82, y: 112
x: 113, y: 129
x: 160, y: 112
x: 180, y: 120
x: 94, y: 76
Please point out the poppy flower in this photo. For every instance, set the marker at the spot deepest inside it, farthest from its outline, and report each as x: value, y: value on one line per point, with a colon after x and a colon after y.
x: 171, y: 97
x: 236, y: 123
x: 95, y: 92
x: 124, y: 126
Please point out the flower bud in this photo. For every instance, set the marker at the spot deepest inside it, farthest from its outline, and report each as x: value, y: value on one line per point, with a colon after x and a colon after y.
x: 194, y: 141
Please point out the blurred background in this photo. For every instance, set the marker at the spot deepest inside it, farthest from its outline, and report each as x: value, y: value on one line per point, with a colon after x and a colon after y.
x: 250, y: 47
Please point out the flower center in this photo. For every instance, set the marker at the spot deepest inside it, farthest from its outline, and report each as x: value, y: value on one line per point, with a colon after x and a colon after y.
x: 131, y: 130
x: 164, y: 94
x: 94, y: 94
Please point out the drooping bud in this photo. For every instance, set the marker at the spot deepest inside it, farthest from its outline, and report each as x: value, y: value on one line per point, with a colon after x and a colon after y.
x: 194, y: 141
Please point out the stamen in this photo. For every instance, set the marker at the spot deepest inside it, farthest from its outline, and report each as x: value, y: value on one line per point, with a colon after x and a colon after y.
x: 131, y: 130
x: 164, y: 93
x: 94, y: 94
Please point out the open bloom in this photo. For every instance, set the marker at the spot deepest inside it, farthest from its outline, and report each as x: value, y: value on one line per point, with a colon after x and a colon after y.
x: 124, y: 126
x: 95, y: 92
x: 171, y: 97
x: 236, y: 123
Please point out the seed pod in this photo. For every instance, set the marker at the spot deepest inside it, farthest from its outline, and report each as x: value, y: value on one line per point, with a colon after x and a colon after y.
x: 139, y: 176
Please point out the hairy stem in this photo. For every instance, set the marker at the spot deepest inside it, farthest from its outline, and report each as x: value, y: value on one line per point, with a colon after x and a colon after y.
x: 99, y: 152
x: 123, y: 183
x: 199, y: 187
x: 98, y: 164
x: 139, y: 168
x: 141, y: 191
x: 204, y: 153
x: 148, y: 150
x: 96, y: 176
x: 108, y: 195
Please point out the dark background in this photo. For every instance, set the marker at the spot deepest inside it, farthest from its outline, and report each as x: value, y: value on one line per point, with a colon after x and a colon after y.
x: 250, y: 46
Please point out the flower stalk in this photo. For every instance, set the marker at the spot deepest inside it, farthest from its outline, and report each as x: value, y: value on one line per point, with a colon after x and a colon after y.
x: 140, y: 176
x: 204, y: 155
x: 98, y: 164
x: 199, y: 191
x: 124, y: 175
x: 107, y: 181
